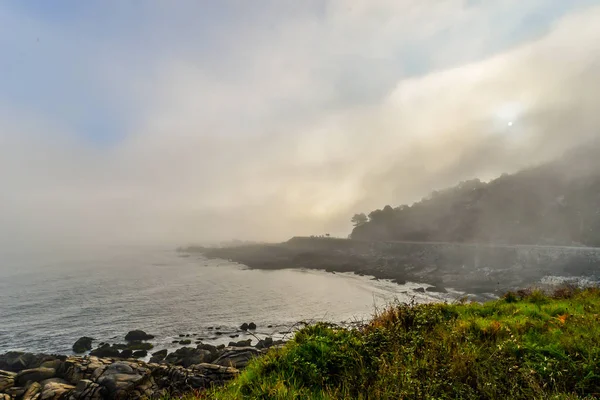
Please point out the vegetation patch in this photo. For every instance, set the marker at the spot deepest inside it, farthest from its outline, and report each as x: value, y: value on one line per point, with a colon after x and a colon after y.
x: 527, y: 345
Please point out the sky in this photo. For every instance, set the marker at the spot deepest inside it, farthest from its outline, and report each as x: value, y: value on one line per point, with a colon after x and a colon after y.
x: 193, y: 121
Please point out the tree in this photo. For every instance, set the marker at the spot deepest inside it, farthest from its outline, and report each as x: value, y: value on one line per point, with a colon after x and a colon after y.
x: 359, y: 219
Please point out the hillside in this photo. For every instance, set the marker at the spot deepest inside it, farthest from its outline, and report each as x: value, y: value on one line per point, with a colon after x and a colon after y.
x: 557, y: 203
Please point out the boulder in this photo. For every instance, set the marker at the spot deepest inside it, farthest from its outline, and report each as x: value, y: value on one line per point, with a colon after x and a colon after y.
x: 16, y: 361
x: 33, y: 392
x: 158, y: 356
x: 216, y: 374
x: 186, y: 341
x: 7, y: 380
x: 127, y: 353
x: 419, y: 290
x: 15, y: 392
x: 237, y: 357
x: 265, y: 343
x: 251, y: 326
x: 54, y: 389
x: 187, y: 356
x: 241, y: 343
x: 82, y: 344
x: 34, y: 375
x: 436, y: 289
x: 140, y: 353
x: 138, y: 335
x: 105, y: 351
x: 88, y: 390
x: 244, y: 326
x: 137, y: 345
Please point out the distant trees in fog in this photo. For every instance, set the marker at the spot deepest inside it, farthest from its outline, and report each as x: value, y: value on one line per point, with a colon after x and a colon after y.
x: 555, y: 203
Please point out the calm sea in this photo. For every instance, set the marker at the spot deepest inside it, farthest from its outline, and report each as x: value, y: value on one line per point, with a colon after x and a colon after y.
x: 48, y: 301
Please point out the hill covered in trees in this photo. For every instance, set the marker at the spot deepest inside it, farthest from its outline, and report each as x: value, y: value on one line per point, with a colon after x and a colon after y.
x: 557, y: 203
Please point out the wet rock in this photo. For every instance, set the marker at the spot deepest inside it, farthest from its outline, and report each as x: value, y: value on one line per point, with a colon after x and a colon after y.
x: 138, y: 335
x: 140, y: 353
x: 237, y: 357
x: 212, y: 349
x: 436, y: 289
x: 251, y: 326
x: 419, y: 290
x: 241, y: 343
x: 140, y: 346
x: 34, y: 375
x: 220, y: 347
x: 105, y: 351
x: 181, y: 335
x: 244, y: 326
x: 218, y: 333
x: 82, y: 344
x: 186, y: 341
x: 127, y: 353
x: 234, y: 336
x: 158, y: 356
x: 269, y: 326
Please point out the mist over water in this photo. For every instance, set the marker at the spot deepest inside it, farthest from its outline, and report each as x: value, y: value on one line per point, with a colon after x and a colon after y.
x: 47, y: 304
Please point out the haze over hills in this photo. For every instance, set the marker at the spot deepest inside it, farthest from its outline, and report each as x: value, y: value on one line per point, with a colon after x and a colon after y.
x: 556, y: 203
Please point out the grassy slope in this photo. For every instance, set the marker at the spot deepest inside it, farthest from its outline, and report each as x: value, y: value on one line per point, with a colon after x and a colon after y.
x: 524, y: 346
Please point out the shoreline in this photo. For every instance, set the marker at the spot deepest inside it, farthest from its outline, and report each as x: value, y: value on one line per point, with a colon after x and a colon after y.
x: 469, y: 268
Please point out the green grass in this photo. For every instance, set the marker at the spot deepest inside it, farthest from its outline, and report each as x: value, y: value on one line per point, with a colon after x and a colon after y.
x: 525, y: 346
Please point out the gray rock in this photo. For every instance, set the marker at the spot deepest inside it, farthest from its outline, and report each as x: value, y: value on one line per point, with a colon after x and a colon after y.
x: 265, y: 343
x: 82, y: 344
x: 138, y: 335
x: 34, y: 375
x: 241, y: 343
x: 419, y: 290
x: 187, y: 356
x: 237, y: 357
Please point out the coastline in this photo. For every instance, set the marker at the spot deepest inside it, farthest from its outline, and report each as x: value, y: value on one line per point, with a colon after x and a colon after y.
x: 477, y: 269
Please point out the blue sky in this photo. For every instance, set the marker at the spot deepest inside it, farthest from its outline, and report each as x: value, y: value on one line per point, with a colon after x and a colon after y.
x: 166, y: 115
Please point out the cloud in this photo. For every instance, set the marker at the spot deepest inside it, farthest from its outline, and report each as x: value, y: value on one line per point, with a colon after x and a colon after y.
x: 300, y: 117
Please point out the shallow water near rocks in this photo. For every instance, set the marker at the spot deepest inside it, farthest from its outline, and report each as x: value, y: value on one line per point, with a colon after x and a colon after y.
x: 48, y: 302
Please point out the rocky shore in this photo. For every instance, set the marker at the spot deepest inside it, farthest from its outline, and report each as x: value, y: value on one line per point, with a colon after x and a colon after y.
x: 112, y: 371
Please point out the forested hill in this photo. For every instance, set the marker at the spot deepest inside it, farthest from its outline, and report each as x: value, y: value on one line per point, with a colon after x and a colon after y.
x: 557, y: 203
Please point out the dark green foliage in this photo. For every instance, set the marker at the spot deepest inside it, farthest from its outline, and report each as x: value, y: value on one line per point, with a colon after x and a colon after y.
x: 556, y: 203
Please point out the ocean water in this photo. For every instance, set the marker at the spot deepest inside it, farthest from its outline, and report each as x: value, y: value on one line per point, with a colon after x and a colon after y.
x: 48, y: 301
